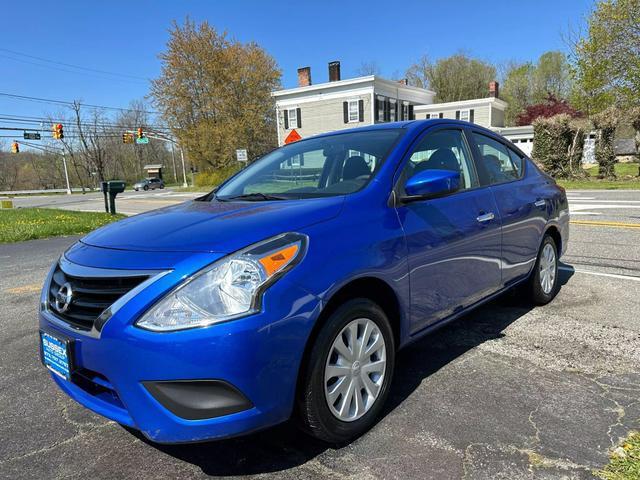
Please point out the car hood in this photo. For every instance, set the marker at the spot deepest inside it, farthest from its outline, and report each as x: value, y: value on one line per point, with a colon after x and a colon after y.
x: 202, y: 226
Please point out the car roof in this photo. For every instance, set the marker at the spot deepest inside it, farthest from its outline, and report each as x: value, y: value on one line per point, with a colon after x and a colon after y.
x: 411, y: 125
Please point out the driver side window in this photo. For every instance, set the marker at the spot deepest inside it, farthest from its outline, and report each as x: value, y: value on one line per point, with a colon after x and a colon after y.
x: 442, y: 150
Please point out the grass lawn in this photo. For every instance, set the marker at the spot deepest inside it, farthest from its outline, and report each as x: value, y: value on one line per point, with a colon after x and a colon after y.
x: 627, y: 178
x: 17, y: 225
x: 625, y: 461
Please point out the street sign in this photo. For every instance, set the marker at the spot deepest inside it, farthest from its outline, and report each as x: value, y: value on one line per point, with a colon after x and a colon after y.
x: 241, y: 155
x: 31, y: 136
x: 142, y: 141
x: 294, y: 136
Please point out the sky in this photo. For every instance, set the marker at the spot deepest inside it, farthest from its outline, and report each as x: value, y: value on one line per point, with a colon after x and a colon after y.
x: 125, y: 38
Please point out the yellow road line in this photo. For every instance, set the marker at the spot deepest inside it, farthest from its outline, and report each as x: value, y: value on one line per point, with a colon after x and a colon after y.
x: 596, y: 223
x: 34, y: 287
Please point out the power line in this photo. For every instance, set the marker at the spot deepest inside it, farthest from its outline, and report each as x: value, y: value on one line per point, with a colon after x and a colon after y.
x: 13, y: 52
x: 67, y: 103
x: 93, y: 75
x: 69, y: 123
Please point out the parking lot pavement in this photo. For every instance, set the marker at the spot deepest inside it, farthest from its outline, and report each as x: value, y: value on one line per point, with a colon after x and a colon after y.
x: 506, y: 392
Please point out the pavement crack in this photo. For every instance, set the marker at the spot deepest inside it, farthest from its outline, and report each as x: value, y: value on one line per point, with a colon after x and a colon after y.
x: 537, y: 460
x: 535, y: 439
x: 56, y: 444
x: 618, y: 410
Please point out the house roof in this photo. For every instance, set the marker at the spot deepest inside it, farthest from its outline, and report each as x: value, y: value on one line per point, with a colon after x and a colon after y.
x: 348, y: 82
x: 625, y: 146
x: 153, y: 165
x: 501, y: 104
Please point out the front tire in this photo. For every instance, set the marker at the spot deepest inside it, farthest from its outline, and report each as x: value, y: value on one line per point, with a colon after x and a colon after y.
x: 349, y: 373
x: 146, y: 187
x: 544, y: 284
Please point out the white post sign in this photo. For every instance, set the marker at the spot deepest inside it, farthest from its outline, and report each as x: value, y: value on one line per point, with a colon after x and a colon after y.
x: 241, y: 155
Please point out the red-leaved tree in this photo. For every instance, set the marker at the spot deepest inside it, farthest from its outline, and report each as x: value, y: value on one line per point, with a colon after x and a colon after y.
x: 550, y: 107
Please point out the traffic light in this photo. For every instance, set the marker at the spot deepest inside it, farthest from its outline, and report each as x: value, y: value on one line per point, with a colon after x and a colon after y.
x: 15, y: 147
x: 58, y: 131
x: 127, y: 137
x: 140, y: 133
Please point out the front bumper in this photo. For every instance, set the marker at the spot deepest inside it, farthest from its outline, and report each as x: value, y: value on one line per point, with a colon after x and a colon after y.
x: 259, y: 356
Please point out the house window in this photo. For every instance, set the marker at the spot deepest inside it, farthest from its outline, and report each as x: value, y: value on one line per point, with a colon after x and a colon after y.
x: 353, y: 111
x: 392, y: 110
x: 404, y: 115
x: 464, y: 115
x: 292, y: 113
x: 381, y: 108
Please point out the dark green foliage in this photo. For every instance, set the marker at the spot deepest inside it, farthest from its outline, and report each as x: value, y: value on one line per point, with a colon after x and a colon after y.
x: 558, y: 144
x: 634, y: 115
x: 606, y: 123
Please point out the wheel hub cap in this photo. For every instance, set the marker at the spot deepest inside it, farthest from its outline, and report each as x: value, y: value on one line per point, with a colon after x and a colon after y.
x: 355, y: 369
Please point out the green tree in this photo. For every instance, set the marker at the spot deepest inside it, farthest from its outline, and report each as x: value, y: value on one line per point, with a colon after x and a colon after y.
x: 215, y: 94
x: 458, y: 77
x: 517, y: 90
x: 551, y: 77
x: 528, y: 84
x: 606, y: 61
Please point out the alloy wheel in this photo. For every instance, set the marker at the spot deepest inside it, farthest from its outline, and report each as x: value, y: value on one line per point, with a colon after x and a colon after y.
x: 355, y: 369
x: 547, y: 268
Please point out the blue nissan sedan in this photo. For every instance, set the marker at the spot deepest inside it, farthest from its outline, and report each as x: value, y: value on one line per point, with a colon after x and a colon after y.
x: 289, y: 290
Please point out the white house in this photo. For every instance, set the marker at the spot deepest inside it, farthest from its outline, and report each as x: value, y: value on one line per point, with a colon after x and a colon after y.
x: 338, y: 104
x: 310, y: 109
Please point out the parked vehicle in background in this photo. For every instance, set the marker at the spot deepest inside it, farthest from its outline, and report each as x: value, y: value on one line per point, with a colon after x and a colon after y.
x: 148, y: 184
x: 292, y: 286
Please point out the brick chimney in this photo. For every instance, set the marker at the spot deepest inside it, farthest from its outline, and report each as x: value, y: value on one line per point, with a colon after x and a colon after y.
x: 494, y: 89
x: 304, y: 76
x: 403, y: 81
x: 334, y: 71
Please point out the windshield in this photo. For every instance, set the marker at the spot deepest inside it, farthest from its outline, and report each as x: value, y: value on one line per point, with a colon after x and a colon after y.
x: 327, y: 166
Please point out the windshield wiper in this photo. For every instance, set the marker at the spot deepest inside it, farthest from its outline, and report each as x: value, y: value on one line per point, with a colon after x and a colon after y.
x: 258, y: 196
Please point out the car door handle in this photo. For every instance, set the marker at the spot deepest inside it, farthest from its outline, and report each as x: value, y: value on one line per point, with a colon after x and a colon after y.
x: 540, y: 203
x: 485, y: 217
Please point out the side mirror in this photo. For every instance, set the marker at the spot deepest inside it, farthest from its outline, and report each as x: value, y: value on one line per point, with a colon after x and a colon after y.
x: 431, y: 184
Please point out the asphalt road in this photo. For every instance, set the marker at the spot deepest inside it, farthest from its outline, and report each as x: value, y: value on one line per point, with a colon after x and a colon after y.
x: 129, y: 202
x: 506, y: 392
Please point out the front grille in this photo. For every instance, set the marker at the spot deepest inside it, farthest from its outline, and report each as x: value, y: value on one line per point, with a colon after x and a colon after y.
x: 90, y: 296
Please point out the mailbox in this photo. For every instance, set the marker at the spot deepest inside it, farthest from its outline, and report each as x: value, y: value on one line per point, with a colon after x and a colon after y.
x: 110, y: 190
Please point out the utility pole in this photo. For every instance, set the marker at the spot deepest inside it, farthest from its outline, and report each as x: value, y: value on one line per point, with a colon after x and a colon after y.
x: 173, y: 159
x: 66, y: 173
x: 184, y: 170
x: 64, y: 161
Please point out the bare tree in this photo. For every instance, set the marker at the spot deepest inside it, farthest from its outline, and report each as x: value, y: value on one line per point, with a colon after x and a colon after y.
x: 368, y: 68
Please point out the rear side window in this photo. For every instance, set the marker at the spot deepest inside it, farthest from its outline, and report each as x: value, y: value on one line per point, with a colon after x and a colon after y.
x: 497, y: 160
x: 517, y: 162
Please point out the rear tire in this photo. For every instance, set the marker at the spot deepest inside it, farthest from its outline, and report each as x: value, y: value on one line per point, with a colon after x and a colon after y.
x: 544, y: 284
x: 146, y: 187
x: 348, y: 374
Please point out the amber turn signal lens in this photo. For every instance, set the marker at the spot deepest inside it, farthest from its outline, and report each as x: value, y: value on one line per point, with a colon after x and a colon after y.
x: 276, y: 261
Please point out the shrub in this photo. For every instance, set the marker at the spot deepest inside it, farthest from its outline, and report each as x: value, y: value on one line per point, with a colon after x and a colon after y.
x: 551, y: 107
x: 558, y: 144
x: 634, y: 117
x: 214, y: 178
x: 606, y: 124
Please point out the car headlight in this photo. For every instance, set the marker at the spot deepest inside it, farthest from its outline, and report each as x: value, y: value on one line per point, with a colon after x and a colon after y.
x: 229, y: 288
